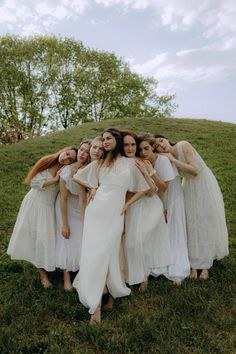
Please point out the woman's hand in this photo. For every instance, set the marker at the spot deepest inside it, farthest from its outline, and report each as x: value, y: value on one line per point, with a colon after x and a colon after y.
x: 65, y: 231
x: 91, y: 195
x: 57, y: 177
x: 169, y: 155
x: 124, y: 209
x: 141, y: 166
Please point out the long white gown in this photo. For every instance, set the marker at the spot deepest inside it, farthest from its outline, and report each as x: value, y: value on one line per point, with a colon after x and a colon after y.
x: 147, y: 244
x: 33, y: 237
x: 205, y: 215
x: 103, y: 227
x: 173, y: 200
x: 68, y: 250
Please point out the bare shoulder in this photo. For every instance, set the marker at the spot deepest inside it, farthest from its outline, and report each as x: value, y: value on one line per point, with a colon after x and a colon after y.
x: 187, y: 147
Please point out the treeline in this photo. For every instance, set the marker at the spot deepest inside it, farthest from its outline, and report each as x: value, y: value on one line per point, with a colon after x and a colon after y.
x: 49, y: 83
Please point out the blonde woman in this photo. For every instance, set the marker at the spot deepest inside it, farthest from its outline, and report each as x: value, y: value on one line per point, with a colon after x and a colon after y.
x: 68, y: 218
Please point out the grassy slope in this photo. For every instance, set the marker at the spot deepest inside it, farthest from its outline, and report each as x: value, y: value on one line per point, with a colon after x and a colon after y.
x: 197, y: 317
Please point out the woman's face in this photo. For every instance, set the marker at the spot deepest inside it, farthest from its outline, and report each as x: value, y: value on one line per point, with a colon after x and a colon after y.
x: 67, y: 157
x: 146, y: 150
x: 162, y: 145
x: 130, y: 146
x: 83, y: 153
x: 96, y: 150
x: 108, y: 141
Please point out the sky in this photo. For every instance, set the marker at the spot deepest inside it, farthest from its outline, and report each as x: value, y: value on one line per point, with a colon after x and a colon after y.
x: 189, y: 46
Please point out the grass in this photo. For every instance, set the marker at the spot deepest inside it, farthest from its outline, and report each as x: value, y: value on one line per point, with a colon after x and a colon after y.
x: 197, y: 317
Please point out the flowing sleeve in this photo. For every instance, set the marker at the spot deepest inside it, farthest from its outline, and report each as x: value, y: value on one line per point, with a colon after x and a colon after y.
x: 38, y: 180
x: 88, y: 176
x: 65, y: 173
x: 137, y: 181
x: 165, y: 169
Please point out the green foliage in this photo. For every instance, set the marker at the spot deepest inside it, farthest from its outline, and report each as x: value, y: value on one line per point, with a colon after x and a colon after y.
x: 49, y: 83
x: 197, y: 317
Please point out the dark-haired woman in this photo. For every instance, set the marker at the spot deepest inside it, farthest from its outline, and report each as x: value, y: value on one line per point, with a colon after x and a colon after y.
x: 173, y: 199
x: 146, y: 233
x: 111, y: 177
x: 33, y: 237
x: 206, y: 224
x: 68, y: 217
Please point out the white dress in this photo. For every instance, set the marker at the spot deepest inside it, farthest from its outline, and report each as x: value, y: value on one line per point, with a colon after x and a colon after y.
x: 68, y: 250
x: 173, y: 200
x: 147, y: 244
x: 206, y: 224
x: 103, y: 227
x: 33, y: 237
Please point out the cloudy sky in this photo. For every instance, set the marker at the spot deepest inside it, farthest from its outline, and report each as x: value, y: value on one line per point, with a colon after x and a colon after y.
x: 188, y: 45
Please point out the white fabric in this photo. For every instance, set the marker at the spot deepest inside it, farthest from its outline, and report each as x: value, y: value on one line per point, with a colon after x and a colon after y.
x: 103, y: 226
x: 33, y: 237
x: 173, y: 200
x: 147, y: 244
x: 205, y: 215
x: 68, y: 250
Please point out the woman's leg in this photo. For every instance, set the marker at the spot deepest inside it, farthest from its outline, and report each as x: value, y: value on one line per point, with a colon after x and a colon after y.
x: 67, y: 281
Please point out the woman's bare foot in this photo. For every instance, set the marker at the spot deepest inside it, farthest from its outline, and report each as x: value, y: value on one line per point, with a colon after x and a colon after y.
x: 96, y: 316
x: 43, y: 276
x: 67, y: 281
x: 193, y: 274
x: 109, y: 305
x: 143, y: 286
x: 204, y: 274
x: 178, y: 282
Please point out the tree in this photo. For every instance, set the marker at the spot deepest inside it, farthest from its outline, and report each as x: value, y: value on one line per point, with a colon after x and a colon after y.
x: 53, y: 83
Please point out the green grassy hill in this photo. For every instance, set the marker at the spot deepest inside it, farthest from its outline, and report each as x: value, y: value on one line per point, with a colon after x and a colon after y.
x: 198, y: 317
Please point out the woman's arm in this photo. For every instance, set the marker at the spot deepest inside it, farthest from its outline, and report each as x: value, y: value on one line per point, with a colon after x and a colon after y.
x: 134, y: 198
x: 64, y: 210
x: 82, y: 200
x: 151, y: 177
x: 191, y: 165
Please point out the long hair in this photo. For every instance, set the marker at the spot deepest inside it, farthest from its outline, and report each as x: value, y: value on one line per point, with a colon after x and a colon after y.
x: 164, y: 137
x: 110, y: 156
x: 134, y: 136
x: 46, y: 162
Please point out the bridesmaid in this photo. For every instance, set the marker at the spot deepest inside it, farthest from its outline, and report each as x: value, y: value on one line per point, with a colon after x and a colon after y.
x: 68, y: 218
x: 33, y: 237
x: 206, y: 224
x: 111, y: 178
x: 147, y: 245
x: 173, y: 200
x: 96, y: 152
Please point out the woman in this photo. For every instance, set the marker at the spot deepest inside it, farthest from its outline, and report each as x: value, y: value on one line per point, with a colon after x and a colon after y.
x: 206, y: 224
x: 68, y: 218
x: 96, y: 152
x: 111, y: 178
x: 96, y: 149
x: 147, y: 245
x: 33, y: 237
x: 173, y: 199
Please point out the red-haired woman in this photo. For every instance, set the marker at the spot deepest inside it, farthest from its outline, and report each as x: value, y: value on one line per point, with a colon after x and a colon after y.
x: 33, y: 237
